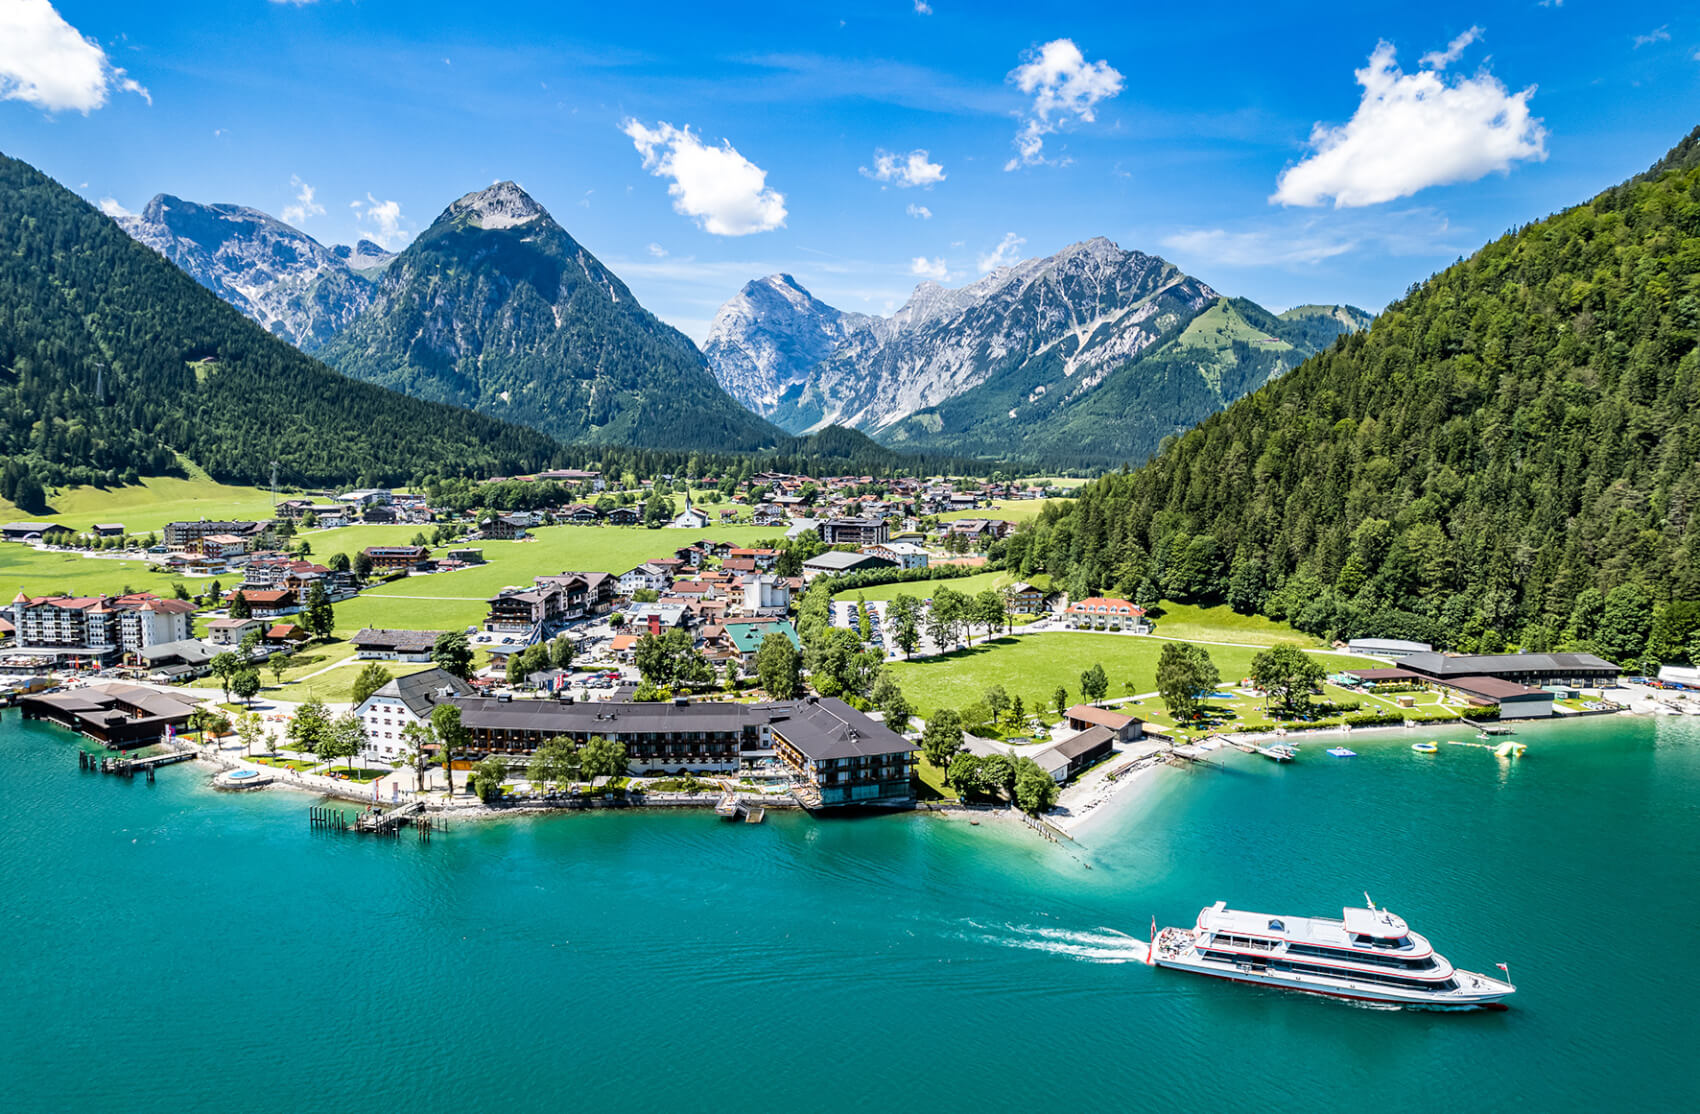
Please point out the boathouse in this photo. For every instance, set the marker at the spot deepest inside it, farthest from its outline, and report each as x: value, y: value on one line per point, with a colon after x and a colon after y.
x: 120, y: 716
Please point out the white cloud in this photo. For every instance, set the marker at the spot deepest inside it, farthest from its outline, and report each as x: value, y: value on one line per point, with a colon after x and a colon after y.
x: 304, y: 206
x: 934, y: 269
x: 111, y: 208
x: 1412, y: 131
x: 384, y: 218
x: 1440, y: 59
x: 919, y: 212
x: 725, y: 193
x: 1065, y: 87
x: 1254, y: 249
x: 923, y: 8
x: 1007, y: 253
x: 1656, y: 35
x: 657, y: 251
x: 905, y: 171
x: 46, y: 62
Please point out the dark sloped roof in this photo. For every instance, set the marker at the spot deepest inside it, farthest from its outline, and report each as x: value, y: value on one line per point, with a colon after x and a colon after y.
x: 607, y: 718
x: 826, y: 728
x: 1462, y: 665
x: 401, y: 641
x: 419, y: 691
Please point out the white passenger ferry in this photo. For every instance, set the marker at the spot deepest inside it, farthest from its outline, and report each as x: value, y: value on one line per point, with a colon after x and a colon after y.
x: 1368, y: 955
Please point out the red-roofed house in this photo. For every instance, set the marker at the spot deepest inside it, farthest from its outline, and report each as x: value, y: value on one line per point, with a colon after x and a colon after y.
x: 1107, y: 613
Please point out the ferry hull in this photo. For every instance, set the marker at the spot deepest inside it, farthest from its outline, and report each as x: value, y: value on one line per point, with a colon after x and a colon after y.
x: 1451, y: 1001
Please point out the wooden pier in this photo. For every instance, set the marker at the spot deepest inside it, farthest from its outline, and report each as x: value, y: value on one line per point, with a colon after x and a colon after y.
x: 375, y: 821
x: 130, y: 767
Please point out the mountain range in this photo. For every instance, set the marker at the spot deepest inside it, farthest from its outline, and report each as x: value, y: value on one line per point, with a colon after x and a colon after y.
x: 494, y: 308
x: 116, y: 364
x: 1509, y: 456
x: 1090, y: 355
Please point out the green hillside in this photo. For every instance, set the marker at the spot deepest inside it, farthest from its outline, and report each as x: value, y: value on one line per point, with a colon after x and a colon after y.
x: 1207, y: 360
x: 113, y: 361
x: 1511, y: 454
x: 518, y: 320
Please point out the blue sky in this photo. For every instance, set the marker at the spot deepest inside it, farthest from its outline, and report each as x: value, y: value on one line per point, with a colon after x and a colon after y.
x: 1284, y: 155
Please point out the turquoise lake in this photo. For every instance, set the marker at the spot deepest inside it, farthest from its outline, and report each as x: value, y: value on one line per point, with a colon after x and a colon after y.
x: 170, y: 949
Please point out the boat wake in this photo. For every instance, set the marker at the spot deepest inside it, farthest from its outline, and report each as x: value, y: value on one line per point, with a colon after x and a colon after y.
x: 1103, y: 945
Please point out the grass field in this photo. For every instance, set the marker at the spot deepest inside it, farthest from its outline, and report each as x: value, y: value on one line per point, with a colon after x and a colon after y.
x: 1032, y: 666
x: 149, y: 505
x: 1224, y: 624
x: 42, y: 574
x: 923, y: 589
x: 1012, y: 510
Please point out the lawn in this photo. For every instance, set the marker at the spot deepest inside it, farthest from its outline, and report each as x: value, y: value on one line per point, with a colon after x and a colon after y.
x: 1223, y: 624
x: 550, y: 549
x: 1011, y: 510
x: 41, y: 573
x: 1032, y: 666
x: 149, y: 505
x: 924, y: 589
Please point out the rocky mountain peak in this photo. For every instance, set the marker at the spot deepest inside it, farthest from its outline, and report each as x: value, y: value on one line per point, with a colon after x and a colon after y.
x: 502, y: 205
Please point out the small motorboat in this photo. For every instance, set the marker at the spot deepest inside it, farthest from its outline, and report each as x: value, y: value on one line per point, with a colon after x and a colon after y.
x: 1425, y: 748
x: 1342, y: 752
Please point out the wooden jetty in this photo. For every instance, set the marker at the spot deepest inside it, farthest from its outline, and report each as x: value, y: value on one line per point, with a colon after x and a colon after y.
x: 130, y: 767
x: 375, y: 821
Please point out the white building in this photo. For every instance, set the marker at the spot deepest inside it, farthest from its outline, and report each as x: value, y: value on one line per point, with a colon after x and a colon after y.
x: 410, y: 699
x: 646, y: 575
x: 907, y: 555
x: 765, y: 595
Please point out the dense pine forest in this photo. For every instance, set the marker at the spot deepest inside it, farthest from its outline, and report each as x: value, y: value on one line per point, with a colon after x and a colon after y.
x: 1509, y: 456
x: 113, y: 362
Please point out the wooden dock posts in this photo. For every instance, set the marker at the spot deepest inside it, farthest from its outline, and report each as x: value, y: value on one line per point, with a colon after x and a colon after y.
x: 374, y: 821
x: 130, y: 767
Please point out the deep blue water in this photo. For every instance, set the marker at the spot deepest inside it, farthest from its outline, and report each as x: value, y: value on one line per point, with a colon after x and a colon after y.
x: 173, y: 949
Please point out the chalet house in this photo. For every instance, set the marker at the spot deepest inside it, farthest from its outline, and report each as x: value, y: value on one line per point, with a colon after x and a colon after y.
x: 392, y: 558
x: 182, y: 536
x: 28, y: 532
x: 1107, y: 613
x: 381, y: 516
x: 582, y: 593
x: 648, y: 575
x: 1026, y: 599
x: 980, y: 530
x: 395, y: 645
x: 109, y: 529
x: 521, y: 610
x: 285, y: 634
x: 624, y: 516
x: 764, y: 559
x: 231, y: 632
x: 271, y: 603
x: 739, y: 565
x: 769, y: 515
x: 581, y: 514
x: 1124, y: 728
x: 291, y: 508
x: 503, y: 527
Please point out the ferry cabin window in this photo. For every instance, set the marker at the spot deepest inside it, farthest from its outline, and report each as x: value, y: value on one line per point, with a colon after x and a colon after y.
x: 1374, y: 942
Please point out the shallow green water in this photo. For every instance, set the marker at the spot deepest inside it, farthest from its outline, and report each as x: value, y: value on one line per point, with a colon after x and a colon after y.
x: 170, y: 949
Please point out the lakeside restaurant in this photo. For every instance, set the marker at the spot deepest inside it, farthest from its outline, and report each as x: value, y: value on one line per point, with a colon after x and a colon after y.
x: 123, y: 717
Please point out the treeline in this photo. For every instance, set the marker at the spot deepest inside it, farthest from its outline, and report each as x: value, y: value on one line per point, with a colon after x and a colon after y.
x: 1509, y: 456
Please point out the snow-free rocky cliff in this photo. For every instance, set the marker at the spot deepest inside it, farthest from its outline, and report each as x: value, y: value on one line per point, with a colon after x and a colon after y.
x: 296, y: 287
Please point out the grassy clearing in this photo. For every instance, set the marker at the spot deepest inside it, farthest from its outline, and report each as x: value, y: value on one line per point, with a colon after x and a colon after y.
x: 1032, y: 666
x: 551, y: 549
x: 933, y: 787
x: 41, y: 573
x: 924, y: 589
x: 150, y: 504
x: 1012, y: 510
x: 1223, y: 624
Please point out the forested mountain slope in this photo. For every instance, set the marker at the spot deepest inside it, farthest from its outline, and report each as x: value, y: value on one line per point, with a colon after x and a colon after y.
x: 112, y: 361
x: 1510, y: 454
x: 496, y: 308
